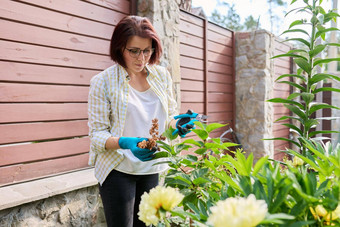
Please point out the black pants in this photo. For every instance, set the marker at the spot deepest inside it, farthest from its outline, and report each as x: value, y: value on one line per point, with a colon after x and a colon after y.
x: 121, y: 194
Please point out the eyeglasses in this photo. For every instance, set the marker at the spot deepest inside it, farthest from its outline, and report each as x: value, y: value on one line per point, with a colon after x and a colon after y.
x: 135, y: 52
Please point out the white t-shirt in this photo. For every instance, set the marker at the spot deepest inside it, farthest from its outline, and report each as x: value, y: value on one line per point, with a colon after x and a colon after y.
x: 142, y: 108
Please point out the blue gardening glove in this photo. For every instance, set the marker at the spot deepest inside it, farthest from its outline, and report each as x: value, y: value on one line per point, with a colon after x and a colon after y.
x: 185, y: 123
x: 131, y: 143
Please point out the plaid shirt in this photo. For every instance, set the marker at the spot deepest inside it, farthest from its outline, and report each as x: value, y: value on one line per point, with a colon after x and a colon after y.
x: 107, y: 106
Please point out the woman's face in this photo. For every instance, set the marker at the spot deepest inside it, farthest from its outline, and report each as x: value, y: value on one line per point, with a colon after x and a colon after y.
x: 134, y: 53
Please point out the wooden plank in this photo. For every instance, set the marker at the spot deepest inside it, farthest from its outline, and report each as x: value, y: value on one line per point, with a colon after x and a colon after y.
x: 220, y: 30
x: 189, y: 96
x: 12, y: 51
x: 12, y: 92
x: 23, y: 153
x: 191, y: 63
x: 219, y: 48
x: 221, y: 39
x: 42, y: 36
x: 196, y: 107
x: 15, y: 133
x: 190, y: 85
x: 217, y: 117
x: 191, y: 51
x: 220, y: 107
x: 29, y: 14
x: 35, y: 170
x: 11, y: 113
x: 190, y: 40
x: 219, y: 68
x: 220, y: 78
x: 21, y: 72
x: 81, y: 9
x: 219, y: 87
x: 191, y: 74
x: 281, y: 70
x: 281, y: 87
x: 220, y: 97
x: 120, y: 6
x: 191, y: 19
x: 190, y: 28
x: 281, y: 94
x: 220, y: 58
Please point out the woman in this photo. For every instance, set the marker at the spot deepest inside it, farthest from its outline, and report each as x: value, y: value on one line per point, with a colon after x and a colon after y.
x: 123, y: 99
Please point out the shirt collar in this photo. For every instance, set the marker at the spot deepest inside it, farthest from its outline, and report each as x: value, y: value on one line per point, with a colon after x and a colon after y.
x: 125, y: 74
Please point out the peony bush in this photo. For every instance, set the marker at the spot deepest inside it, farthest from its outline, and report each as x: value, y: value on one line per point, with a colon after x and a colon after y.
x: 209, y: 187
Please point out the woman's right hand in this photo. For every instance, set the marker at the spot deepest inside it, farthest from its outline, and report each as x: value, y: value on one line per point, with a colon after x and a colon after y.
x: 131, y: 143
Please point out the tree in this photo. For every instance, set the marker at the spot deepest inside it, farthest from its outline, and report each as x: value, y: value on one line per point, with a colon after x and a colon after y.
x: 251, y: 24
x: 229, y: 20
x: 274, y: 18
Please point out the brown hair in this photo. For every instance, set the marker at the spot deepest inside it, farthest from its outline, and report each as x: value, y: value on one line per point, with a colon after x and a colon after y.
x: 133, y: 26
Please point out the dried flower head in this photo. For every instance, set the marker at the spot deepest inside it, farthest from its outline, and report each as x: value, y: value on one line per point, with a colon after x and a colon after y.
x: 154, y: 133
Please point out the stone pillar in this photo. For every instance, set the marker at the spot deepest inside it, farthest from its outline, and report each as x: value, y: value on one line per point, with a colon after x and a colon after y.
x: 164, y: 15
x: 254, y: 85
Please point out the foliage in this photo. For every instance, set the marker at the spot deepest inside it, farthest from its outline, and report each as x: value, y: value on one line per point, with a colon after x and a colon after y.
x: 305, y: 192
x: 207, y: 175
x: 231, y: 20
x: 307, y: 77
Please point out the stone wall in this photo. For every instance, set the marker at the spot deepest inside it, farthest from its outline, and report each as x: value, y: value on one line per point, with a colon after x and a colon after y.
x: 254, y: 85
x: 77, y: 208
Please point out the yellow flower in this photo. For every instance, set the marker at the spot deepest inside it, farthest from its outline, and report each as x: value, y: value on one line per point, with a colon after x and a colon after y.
x: 321, y: 212
x: 238, y: 212
x: 297, y: 161
x: 159, y: 197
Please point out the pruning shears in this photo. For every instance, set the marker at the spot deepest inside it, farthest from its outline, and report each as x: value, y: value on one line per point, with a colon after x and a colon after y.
x: 186, y: 122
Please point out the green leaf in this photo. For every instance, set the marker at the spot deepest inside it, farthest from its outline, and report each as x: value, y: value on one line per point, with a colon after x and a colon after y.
x: 297, y: 111
x: 307, y: 97
x: 200, y: 180
x: 201, y: 133
x: 316, y: 50
x: 310, y: 123
x: 293, y: 95
x: 214, y: 126
x: 165, y: 146
x: 311, y: 134
x: 332, y: 44
x: 259, y: 164
x: 281, y: 100
x: 289, y: 55
x: 323, y: 31
x: 322, y: 76
x: 200, y: 124
x: 214, y: 145
x: 323, y: 61
x: 295, y: 30
x: 326, y: 89
x: 169, y: 134
x: 161, y: 154
x: 318, y: 106
x: 299, y: 131
x: 284, y: 139
x: 194, y: 142
x: 294, y: 85
x: 291, y: 75
x: 307, y: 160
x: 299, y: 40
x: 281, y: 197
x: 201, y: 151
x: 303, y: 64
x: 296, y: 22
x: 287, y: 117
